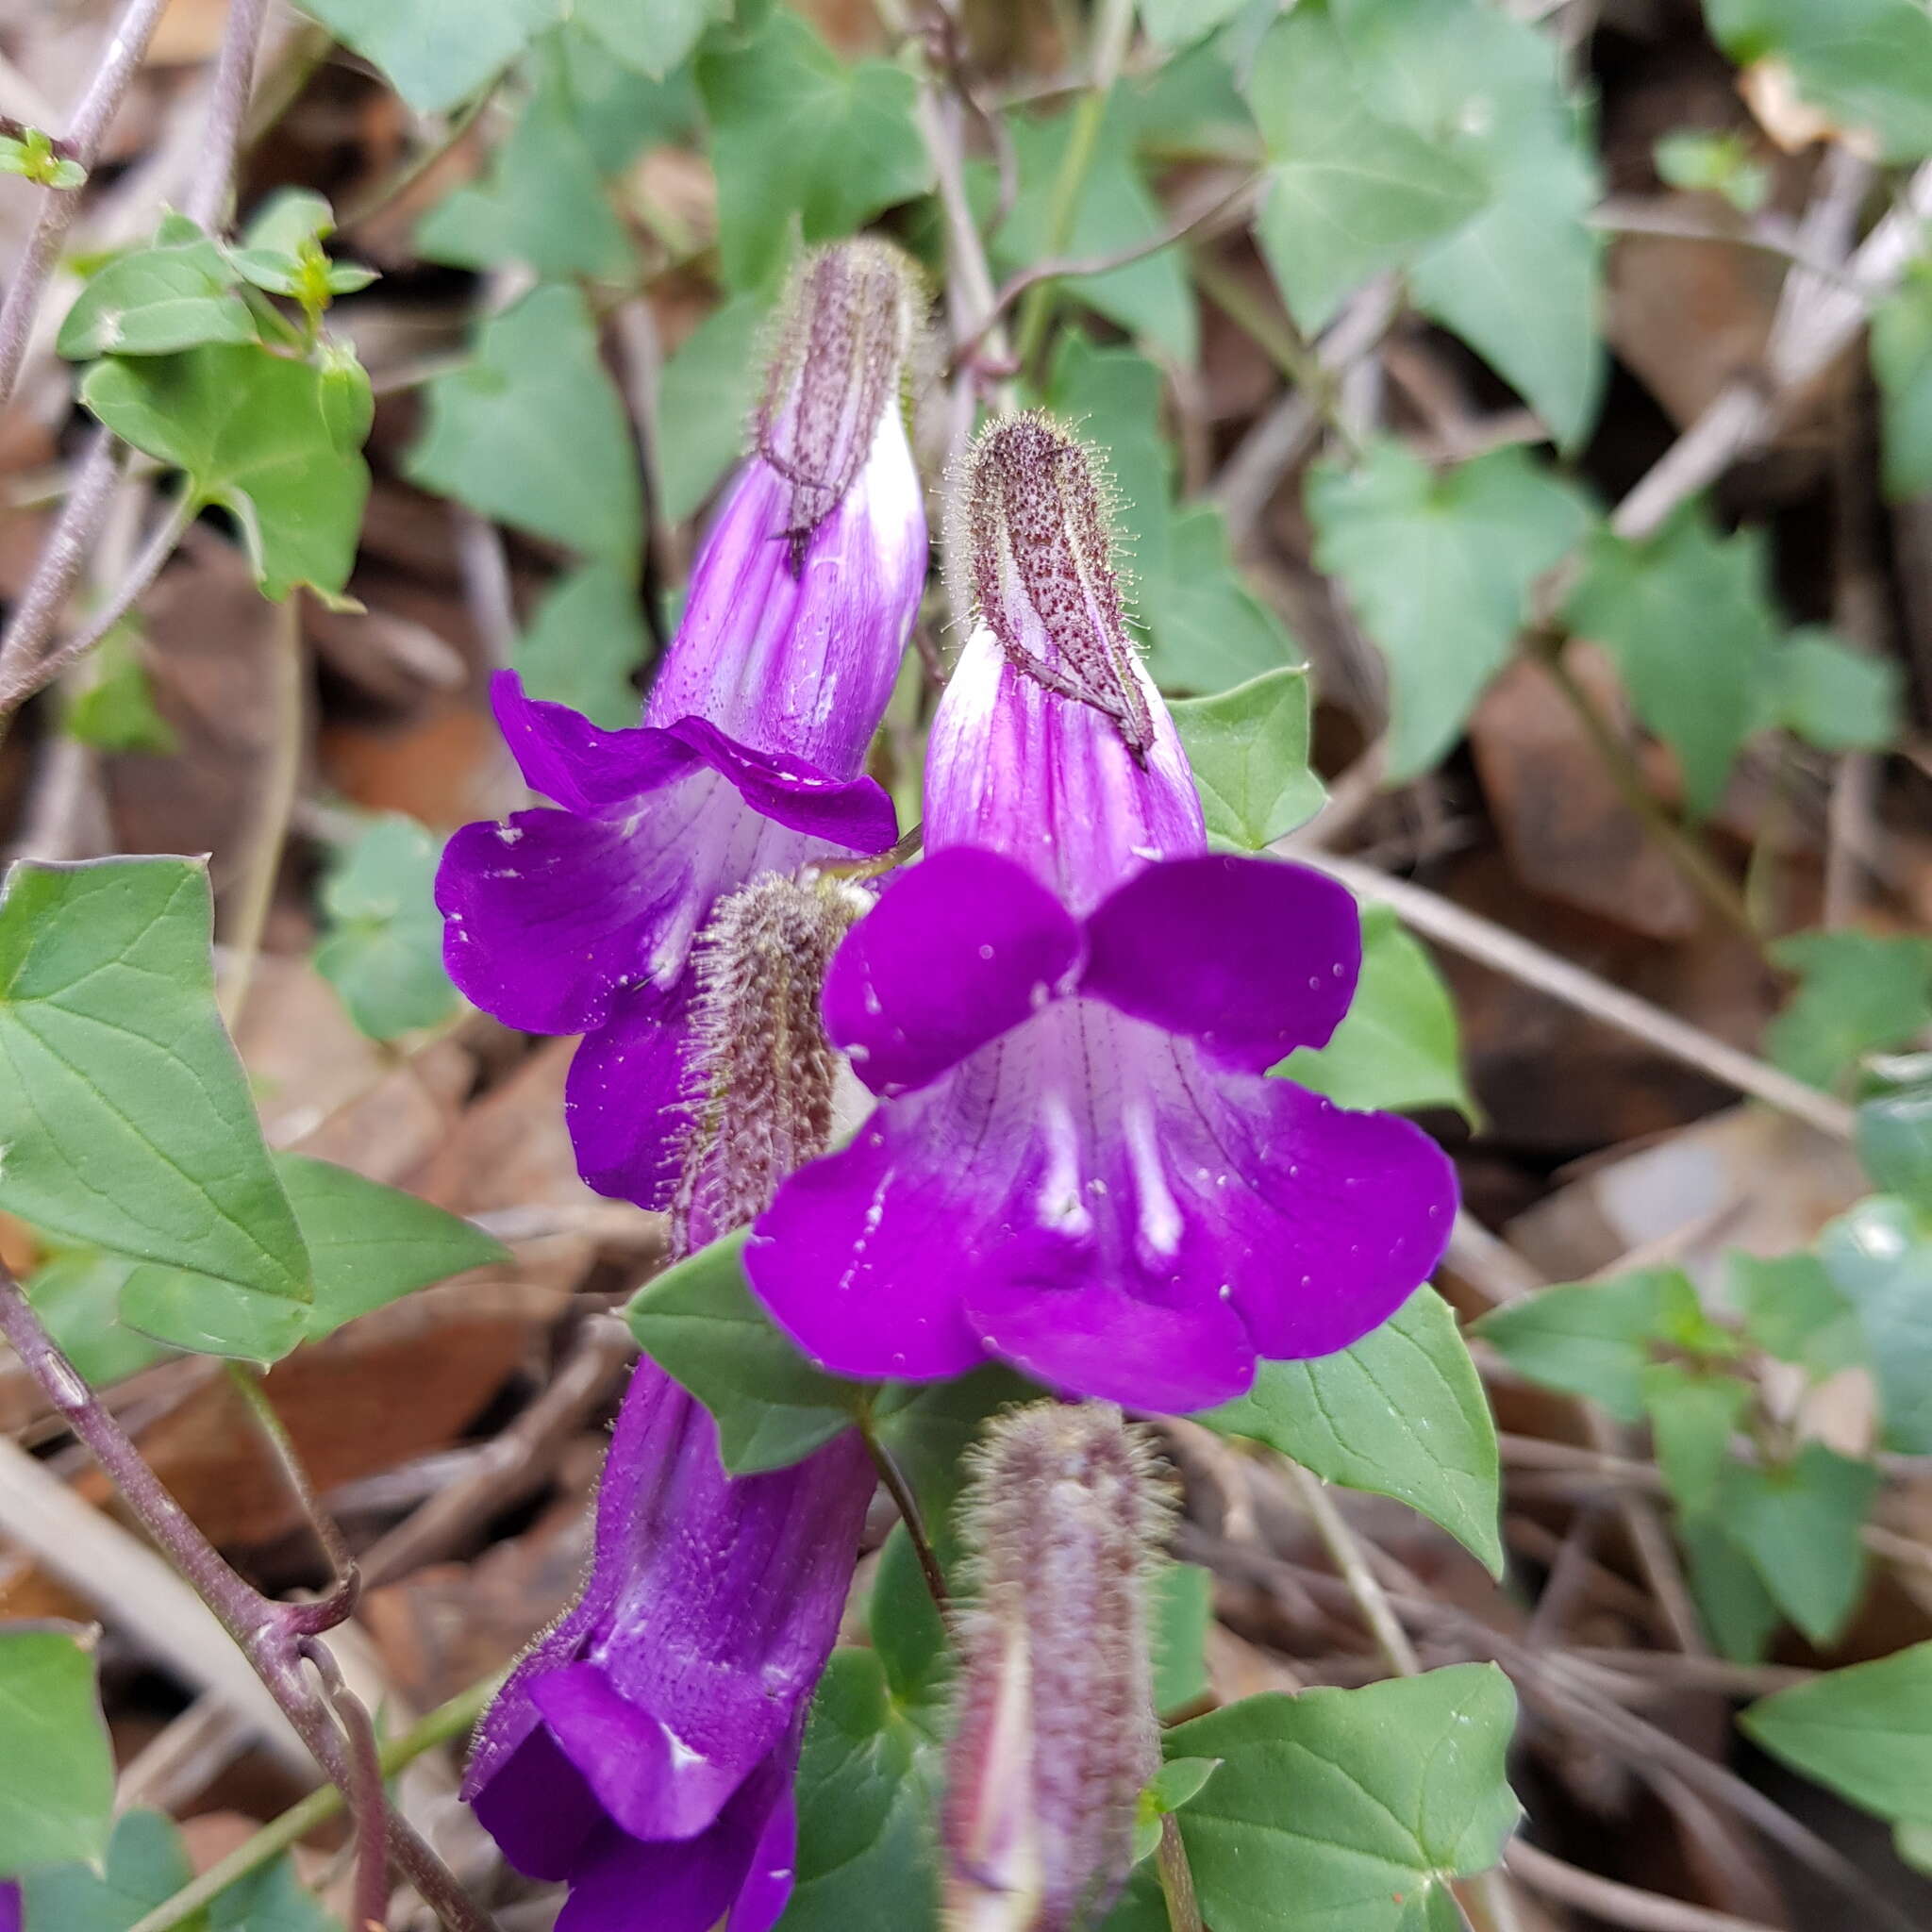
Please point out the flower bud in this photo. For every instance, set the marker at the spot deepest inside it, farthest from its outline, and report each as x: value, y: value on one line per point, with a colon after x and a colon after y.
x: 1056, y: 1727
x: 760, y: 1072
x: 842, y: 336
x: 1031, y: 519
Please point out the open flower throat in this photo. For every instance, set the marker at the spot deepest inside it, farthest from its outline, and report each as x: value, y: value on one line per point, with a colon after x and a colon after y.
x: 1066, y: 1010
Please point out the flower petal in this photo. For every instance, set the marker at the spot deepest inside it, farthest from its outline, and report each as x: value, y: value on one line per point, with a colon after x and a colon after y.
x: 959, y: 949
x: 767, y: 1888
x: 643, y: 1775
x: 1092, y: 1339
x: 537, y: 1805
x: 624, y: 1100
x: 853, y: 1258
x: 1251, y: 957
x: 604, y: 773
x: 1362, y: 1205
x: 548, y: 915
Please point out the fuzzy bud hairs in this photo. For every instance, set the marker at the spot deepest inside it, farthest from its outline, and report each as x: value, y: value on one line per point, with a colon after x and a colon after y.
x: 844, y: 330
x: 1031, y: 519
x: 1055, y: 1731
x: 760, y: 1071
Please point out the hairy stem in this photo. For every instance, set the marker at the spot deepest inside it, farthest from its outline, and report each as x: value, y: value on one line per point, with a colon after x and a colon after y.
x: 269, y: 1634
x: 1176, y: 1879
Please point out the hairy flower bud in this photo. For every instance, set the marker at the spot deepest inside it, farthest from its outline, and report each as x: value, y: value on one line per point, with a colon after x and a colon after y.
x: 760, y: 1071
x: 841, y: 340
x: 1031, y: 531
x: 1056, y: 1727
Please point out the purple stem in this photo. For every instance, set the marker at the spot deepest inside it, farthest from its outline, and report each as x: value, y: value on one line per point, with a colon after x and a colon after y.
x: 270, y: 1635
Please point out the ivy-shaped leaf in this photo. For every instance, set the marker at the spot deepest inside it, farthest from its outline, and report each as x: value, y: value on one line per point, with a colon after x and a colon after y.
x: 435, y: 52
x: 1440, y: 570
x: 532, y: 431
x: 584, y: 643
x: 382, y: 946
x: 123, y: 1111
x: 1249, y: 751
x: 800, y: 136
x: 57, y: 1774
x: 1857, y: 992
x: 1402, y: 1413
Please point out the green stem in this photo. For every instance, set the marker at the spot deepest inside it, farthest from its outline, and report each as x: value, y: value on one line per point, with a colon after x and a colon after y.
x: 1176, y: 1879
x: 1703, y: 871
x: 910, y: 1514
x: 275, y: 1838
x: 1111, y: 31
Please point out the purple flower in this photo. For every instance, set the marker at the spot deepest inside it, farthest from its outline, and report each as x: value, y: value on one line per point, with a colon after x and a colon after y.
x: 644, y: 1749
x: 1067, y: 1009
x: 581, y: 919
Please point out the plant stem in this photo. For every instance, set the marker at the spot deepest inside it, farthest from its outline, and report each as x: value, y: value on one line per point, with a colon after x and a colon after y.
x: 1691, y: 858
x: 120, y: 61
x: 901, y: 1493
x: 1352, y: 1564
x: 1176, y: 1879
x: 446, y: 1722
x: 267, y: 1633
x: 1111, y: 31
x: 367, y: 1805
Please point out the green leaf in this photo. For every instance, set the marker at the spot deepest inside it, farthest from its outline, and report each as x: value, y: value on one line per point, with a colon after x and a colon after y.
x: 1440, y: 570
x: 1177, y: 1783
x: 618, y: 110
x: 1912, y: 1841
x: 1397, y: 1047
x: 1591, y: 1337
x: 146, y: 1865
x: 1866, y: 64
x: 1182, y: 1611
x: 266, y: 437
x: 1402, y: 1413
x: 1866, y: 1732
x: 1206, y: 629
x: 653, y: 38
x: 1902, y: 361
x: 1792, y: 1310
x: 152, y: 301
x: 77, y: 1293
x: 113, y: 709
x: 1350, y: 192
x: 1880, y: 1255
x: 707, y: 391
x: 1350, y: 1808
x: 1857, y: 992
x: 867, y: 1788
x: 909, y: 1634
x: 1684, y: 615
x: 542, y: 203
x: 800, y: 136
x: 583, y: 645
x: 1249, y: 750
x: 1800, y: 1526
x: 57, y: 1774
x: 1519, y: 280
x: 1701, y: 161
x: 124, y: 1112
x: 1834, y: 696
x: 1692, y: 1413
x: 435, y: 52
x: 382, y: 947
x: 1149, y: 298
x: 371, y: 1244
x: 532, y: 431
x: 1895, y: 1142
x: 1740, y: 1615
x: 699, y: 1322
x: 288, y: 219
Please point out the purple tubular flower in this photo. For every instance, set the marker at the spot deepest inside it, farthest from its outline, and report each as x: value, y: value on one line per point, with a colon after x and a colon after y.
x: 1066, y: 1009
x: 748, y: 761
x: 644, y: 1749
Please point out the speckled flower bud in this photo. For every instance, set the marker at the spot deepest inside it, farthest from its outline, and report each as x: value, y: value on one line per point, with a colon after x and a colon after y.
x: 843, y: 334
x: 1056, y: 1727
x: 1031, y: 516
x: 760, y: 1071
